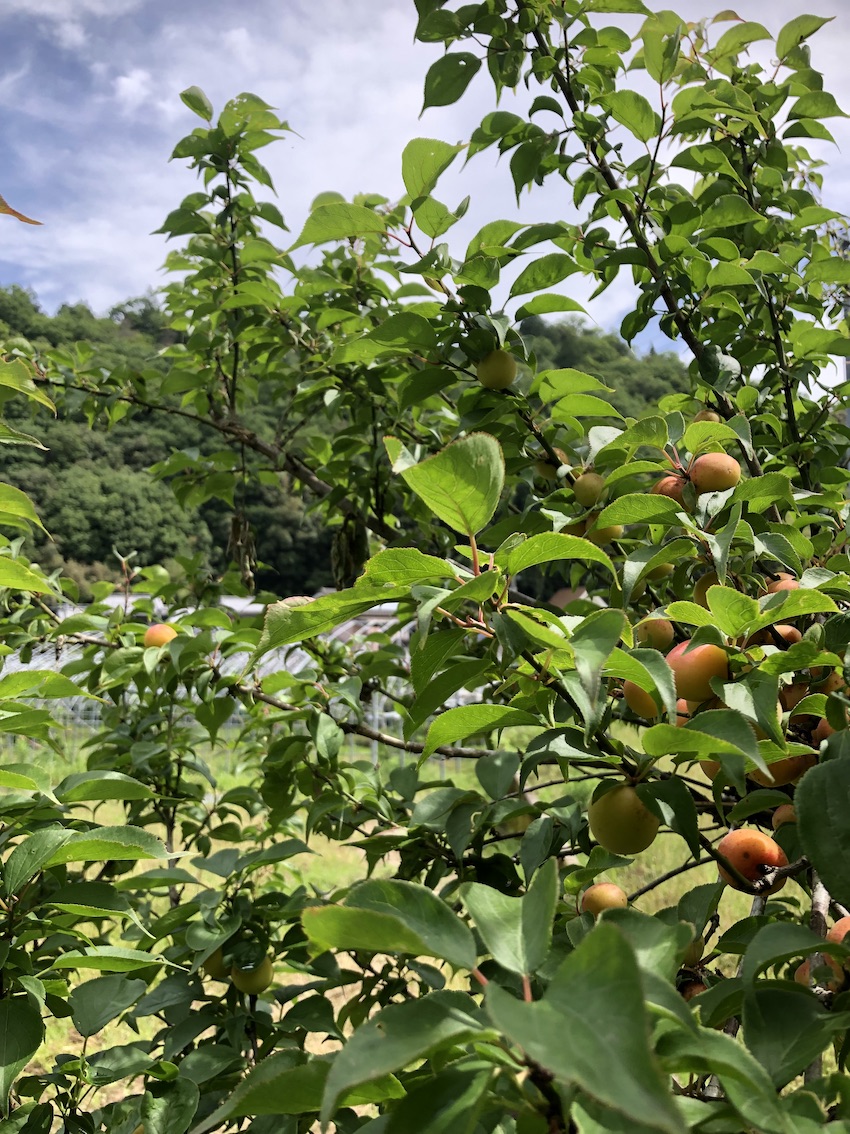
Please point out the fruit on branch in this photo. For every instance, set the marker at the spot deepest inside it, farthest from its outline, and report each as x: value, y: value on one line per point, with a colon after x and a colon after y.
x: 621, y: 822
x: 660, y: 572
x: 709, y: 579
x: 782, y: 631
x: 838, y: 933
x: 160, y: 634
x: 785, y: 813
x: 577, y: 529
x: 786, y: 771
x: 497, y: 370
x: 255, y: 980
x: 708, y: 415
x: 833, y: 684
x: 588, y: 488
x: 710, y: 767
x: 692, y: 988
x: 821, y: 731
x: 751, y: 853
x: 802, y: 974
x: 783, y: 582
x: 215, y: 968
x: 790, y: 696
x: 603, y: 896
x: 672, y: 486
x: 714, y: 472
x: 546, y: 469
x: 600, y: 536
x: 639, y: 701
x: 657, y: 633
x: 694, y: 668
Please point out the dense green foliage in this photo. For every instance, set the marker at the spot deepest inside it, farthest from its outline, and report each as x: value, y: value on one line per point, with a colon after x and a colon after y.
x: 96, y: 501
x: 467, y: 979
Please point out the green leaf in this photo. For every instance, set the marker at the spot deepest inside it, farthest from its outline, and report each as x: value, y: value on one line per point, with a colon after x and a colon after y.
x: 449, y: 77
x: 728, y: 211
x: 339, y: 221
x: 423, y: 160
x: 95, y: 1002
x: 822, y: 799
x: 640, y: 508
x: 830, y: 270
x: 407, y: 332
x: 169, y: 1107
x: 593, y: 643
x: 738, y: 37
x: 795, y: 31
x: 446, y: 1103
x: 21, y: 1034
x: 547, y: 304
x: 122, y: 844
x: 423, y: 913
x: 543, y: 273
x: 462, y: 483
x: 785, y: 1028
x: 108, y: 958
x: 392, y: 927
x: 197, y: 101
x: 401, y: 1035
x: 17, y: 576
x: 17, y: 375
x: 517, y: 932
x: 549, y: 547
x: 286, y: 624
x: 594, y: 995
x: 469, y: 720
x: 816, y: 104
x: 634, y: 112
x: 288, y: 1082
x: 85, y: 786
x: 31, y: 855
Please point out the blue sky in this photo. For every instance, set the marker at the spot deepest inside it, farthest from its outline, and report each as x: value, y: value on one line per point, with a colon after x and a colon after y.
x: 89, y: 96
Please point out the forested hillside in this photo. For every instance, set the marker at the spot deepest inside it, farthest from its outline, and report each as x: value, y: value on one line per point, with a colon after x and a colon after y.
x: 98, y: 498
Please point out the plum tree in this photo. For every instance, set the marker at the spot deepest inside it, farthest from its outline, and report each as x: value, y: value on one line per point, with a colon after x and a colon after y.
x: 694, y: 667
x: 496, y: 370
x: 751, y: 853
x: 621, y: 822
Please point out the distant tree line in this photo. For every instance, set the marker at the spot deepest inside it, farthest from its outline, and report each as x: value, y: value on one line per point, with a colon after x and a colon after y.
x: 98, y: 498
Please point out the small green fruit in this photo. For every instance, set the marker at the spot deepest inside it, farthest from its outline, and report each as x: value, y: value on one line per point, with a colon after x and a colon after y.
x: 215, y: 968
x: 253, y: 981
x: 620, y: 822
x: 497, y: 370
x: 588, y: 488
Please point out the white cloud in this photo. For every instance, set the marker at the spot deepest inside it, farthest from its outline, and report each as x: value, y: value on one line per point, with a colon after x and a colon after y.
x: 132, y: 89
x: 349, y: 80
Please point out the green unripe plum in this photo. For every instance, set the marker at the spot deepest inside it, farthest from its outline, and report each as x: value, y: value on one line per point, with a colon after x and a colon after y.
x: 497, y: 370
x: 601, y: 536
x: 253, y: 981
x: 588, y: 488
x: 620, y: 822
x: 215, y: 968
